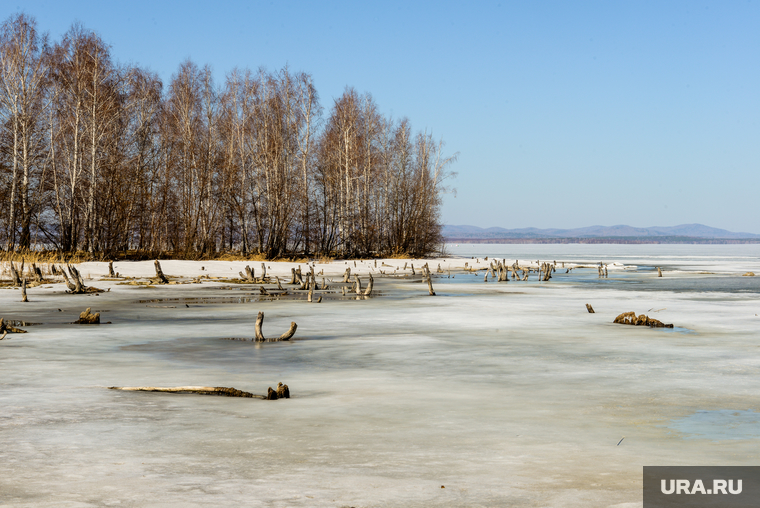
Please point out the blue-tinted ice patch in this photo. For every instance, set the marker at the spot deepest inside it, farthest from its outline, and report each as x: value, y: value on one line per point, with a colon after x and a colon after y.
x: 719, y: 425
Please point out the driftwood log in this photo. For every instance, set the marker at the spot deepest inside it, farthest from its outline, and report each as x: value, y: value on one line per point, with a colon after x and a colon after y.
x: 285, y: 336
x: 88, y: 318
x: 630, y: 318
x: 199, y: 390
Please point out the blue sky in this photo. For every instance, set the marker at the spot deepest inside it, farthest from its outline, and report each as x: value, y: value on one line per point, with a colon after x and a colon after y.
x: 564, y: 114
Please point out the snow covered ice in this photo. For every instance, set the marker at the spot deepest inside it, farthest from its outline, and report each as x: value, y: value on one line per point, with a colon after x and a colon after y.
x: 506, y: 394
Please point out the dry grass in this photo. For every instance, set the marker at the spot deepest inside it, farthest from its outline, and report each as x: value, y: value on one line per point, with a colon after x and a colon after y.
x: 45, y: 257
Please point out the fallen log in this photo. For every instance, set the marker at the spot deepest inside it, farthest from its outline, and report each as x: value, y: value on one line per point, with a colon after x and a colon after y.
x: 285, y: 336
x: 630, y: 318
x: 199, y: 390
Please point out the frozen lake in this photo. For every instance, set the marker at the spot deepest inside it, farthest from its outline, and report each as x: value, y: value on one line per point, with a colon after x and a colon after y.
x: 506, y: 394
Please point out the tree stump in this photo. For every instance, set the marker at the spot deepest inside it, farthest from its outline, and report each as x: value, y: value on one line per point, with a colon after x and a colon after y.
x: 14, y: 274
x: 659, y: 272
x: 87, y: 318
x: 111, y: 273
x: 590, y: 309
x: 5, y: 329
x: 368, y: 291
x: 285, y: 336
x: 160, y: 273
x: 23, y: 291
x: 283, y: 392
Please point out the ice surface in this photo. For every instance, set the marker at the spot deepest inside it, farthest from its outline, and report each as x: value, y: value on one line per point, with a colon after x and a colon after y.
x: 507, y: 394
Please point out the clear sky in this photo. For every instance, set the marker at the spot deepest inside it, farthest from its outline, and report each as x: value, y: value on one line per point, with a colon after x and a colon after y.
x: 564, y: 114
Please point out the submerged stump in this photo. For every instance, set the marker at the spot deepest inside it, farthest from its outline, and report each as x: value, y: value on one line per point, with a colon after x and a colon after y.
x: 630, y: 318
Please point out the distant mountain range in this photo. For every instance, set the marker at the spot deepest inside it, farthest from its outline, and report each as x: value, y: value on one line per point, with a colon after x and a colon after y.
x: 676, y: 234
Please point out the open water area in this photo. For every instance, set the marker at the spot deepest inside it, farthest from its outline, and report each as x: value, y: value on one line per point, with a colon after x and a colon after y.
x: 487, y: 394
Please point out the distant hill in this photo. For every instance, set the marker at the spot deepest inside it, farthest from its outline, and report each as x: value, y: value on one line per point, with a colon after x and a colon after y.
x: 675, y: 234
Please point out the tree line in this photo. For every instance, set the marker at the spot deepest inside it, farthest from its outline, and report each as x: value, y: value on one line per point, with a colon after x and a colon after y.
x: 103, y: 158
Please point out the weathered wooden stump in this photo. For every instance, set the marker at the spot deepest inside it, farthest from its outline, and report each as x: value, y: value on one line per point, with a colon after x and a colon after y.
x: 161, y: 278
x: 630, y: 318
x: 285, y: 336
x: 88, y: 318
x: 590, y: 309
